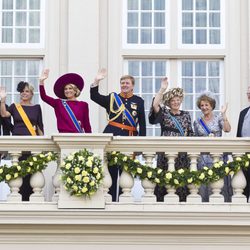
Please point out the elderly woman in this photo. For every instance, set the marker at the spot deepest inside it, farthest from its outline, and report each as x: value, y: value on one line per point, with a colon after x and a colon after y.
x: 27, y: 121
x: 72, y: 115
x: 211, y: 124
x: 174, y: 122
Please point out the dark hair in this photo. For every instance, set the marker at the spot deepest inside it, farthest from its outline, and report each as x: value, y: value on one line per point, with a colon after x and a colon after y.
x: 21, y: 86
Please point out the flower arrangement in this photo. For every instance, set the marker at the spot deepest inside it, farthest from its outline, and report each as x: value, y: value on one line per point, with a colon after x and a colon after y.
x: 31, y: 165
x: 181, y: 177
x: 82, y: 173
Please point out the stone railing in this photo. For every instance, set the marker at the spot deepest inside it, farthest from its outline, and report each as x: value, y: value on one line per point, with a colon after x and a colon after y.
x: 146, y: 147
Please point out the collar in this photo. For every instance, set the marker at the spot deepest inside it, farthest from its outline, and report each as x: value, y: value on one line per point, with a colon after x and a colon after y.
x: 126, y: 96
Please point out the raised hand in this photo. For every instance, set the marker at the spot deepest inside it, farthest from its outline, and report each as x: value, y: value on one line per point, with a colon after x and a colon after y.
x: 44, y: 75
x: 224, y: 109
x: 2, y: 92
x: 164, y: 84
x: 101, y: 75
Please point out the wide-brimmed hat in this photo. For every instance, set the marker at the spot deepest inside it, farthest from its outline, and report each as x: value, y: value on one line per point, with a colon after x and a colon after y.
x: 171, y: 94
x: 62, y: 81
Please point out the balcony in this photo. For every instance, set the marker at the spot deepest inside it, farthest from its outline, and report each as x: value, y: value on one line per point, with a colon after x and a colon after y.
x: 53, y: 219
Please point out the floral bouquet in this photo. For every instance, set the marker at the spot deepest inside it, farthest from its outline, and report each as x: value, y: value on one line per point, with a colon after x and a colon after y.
x: 82, y: 173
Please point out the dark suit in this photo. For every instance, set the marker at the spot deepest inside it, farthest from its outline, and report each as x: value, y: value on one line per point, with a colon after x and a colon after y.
x: 239, y: 134
x: 5, y: 125
x: 135, y: 105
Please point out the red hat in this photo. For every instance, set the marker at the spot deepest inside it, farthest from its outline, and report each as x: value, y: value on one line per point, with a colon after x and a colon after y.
x: 66, y: 79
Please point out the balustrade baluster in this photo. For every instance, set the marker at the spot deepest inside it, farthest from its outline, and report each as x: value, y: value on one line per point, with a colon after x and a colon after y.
x: 193, y: 197
x: 16, y: 183
x: 171, y: 197
x: 148, y: 185
x: 107, y: 181
x: 126, y: 182
x: 238, y: 184
x: 56, y: 180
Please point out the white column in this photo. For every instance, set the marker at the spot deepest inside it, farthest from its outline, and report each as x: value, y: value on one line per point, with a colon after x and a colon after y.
x: 171, y: 197
x: 16, y: 183
x: 126, y: 183
x: 148, y: 185
x: 216, y: 197
x: 193, y: 197
x: 238, y: 185
x: 107, y: 181
x: 56, y: 180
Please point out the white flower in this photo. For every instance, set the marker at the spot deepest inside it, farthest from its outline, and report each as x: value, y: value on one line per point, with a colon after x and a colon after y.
x: 84, y: 173
x: 15, y: 175
x: 78, y: 177
x: 8, y: 177
x: 125, y: 158
x: 34, y: 159
x: 68, y: 166
x: 210, y: 172
x: 89, y: 163
x: 31, y: 163
x: 149, y: 174
x: 84, y: 190
x: 1, y: 170
x: 190, y: 180
x: 181, y: 171
x: 70, y: 157
x: 139, y: 170
x: 168, y: 176
x: 202, y: 176
x: 90, y: 158
x: 176, y: 181
x: 86, y: 179
x: 77, y: 170
x: 95, y: 170
x: 159, y: 171
x: 80, y: 158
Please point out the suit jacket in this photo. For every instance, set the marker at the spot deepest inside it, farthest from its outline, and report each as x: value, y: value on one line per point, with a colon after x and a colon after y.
x: 134, y: 104
x: 241, y: 120
x: 5, y: 125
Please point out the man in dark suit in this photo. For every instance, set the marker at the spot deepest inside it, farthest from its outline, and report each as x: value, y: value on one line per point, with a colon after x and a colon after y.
x: 125, y: 114
x: 244, y: 131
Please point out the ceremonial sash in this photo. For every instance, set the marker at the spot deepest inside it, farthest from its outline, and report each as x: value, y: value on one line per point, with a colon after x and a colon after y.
x: 25, y: 119
x: 204, y: 126
x: 72, y: 116
x: 178, y: 125
x: 122, y: 108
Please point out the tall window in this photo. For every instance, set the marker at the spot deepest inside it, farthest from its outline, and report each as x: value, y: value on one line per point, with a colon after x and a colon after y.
x: 148, y: 75
x: 202, y: 22
x: 14, y: 71
x: 21, y: 23
x: 198, y: 76
x: 145, y: 22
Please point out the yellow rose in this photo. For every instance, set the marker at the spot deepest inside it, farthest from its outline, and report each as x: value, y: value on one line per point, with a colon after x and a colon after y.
x: 125, y: 158
x: 84, y: 173
x: 159, y: 171
x: 139, y: 170
x: 247, y: 164
x: 68, y: 166
x: 210, y: 172
x: 89, y: 163
x: 176, y: 181
x: 95, y: 170
x: 15, y: 175
x: 84, y: 190
x: 1, y: 170
x: 69, y: 180
x: 34, y: 159
x: 49, y: 158
x: 115, y: 159
x: 190, y: 180
x: 238, y: 159
x: 221, y: 163
x: 149, y: 174
x: 31, y: 163
x: 181, y: 171
x: 98, y: 176
x: 90, y: 158
x: 227, y: 170
x: 42, y: 155
x: 206, y: 168
x: 216, y: 165
x: 75, y: 187
x: 8, y: 177
x: 77, y: 170
x: 86, y: 179
x: 113, y: 153
x: 157, y: 180
x: 28, y: 169
x: 78, y: 177
x: 168, y: 175
x: 92, y: 183
x: 70, y: 157
x: 202, y: 176
x: 136, y: 161
x: 248, y: 156
x: 80, y: 158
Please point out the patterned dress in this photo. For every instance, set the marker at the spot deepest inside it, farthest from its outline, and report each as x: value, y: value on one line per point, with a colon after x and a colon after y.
x: 215, y: 125
x: 169, y: 128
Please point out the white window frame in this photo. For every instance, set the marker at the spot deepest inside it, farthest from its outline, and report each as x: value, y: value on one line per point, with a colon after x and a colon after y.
x: 125, y: 45
x: 202, y: 46
x: 27, y: 45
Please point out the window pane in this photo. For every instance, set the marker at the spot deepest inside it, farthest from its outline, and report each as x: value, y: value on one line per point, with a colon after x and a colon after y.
x: 6, y: 82
x: 34, y: 4
x: 146, y: 4
x: 187, y: 103
x: 214, y: 5
x: 20, y: 36
x: 200, y: 68
x: 7, y: 35
x: 187, y: 20
x: 187, y: 68
x: 7, y: 4
x: 34, y: 19
x: 201, y: 20
x: 187, y: 36
x: 146, y: 36
x: 33, y: 68
x: 146, y: 20
x: 132, y: 35
x: 21, y: 4
x: 157, y: 84
x: 213, y: 68
x: 187, y: 4
x: 201, y: 36
x: 132, y: 19
x: 214, y: 85
x: 187, y: 85
x: 214, y: 20
x: 159, y: 20
x: 21, y: 19
x: 133, y: 68
x: 214, y: 36
x: 34, y: 35
x: 20, y: 68
x: 147, y: 86
x: 137, y: 85
x: 6, y: 68
x: 200, y: 85
x: 160, y: 68
x: 7, y: 19
x: 159, y: 36
x: 159, y: 4
x: 147, y: 68
x: 147, y: 99
x: 201, y: 4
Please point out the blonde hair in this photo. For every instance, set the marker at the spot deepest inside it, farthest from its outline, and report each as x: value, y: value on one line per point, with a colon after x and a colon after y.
x: 78, y: 92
